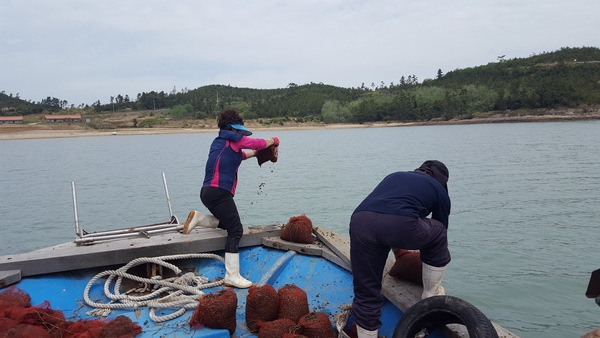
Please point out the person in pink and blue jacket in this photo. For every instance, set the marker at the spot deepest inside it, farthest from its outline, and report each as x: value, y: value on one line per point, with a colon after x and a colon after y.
x: 232, y: 145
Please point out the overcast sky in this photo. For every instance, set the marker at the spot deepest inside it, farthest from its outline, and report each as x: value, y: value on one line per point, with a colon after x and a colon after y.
x: 83, y: 51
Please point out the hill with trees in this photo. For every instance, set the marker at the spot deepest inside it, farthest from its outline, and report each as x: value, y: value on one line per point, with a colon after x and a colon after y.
x: 563, y: 79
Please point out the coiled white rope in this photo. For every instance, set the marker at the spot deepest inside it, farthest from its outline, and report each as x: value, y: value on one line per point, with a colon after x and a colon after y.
x: 181, y: 292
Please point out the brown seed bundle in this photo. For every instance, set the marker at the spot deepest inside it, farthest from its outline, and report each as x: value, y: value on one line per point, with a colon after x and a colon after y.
x: 316, y: 325
x: 293, y: 302
x: 216, y: 310
x: 275, y: 328
x: 298, y: 230
x: 262, y: 305
x: 408, y: 266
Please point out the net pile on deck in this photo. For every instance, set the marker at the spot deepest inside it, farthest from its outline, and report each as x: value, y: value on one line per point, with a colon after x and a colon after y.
x: 18, y: 318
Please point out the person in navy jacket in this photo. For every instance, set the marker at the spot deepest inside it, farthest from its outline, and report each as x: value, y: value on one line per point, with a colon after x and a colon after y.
x: 394, y: 215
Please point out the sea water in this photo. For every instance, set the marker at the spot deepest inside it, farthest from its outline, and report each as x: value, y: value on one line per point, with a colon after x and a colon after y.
x: 524, y: 228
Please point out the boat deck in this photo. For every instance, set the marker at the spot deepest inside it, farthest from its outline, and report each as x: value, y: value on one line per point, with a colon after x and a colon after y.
x: 329, y: 245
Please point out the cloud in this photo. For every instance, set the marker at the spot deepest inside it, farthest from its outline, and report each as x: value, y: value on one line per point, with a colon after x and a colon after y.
x: 83, y: 51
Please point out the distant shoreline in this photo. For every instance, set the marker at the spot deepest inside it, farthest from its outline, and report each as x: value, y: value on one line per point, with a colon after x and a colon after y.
x: 22, y: 132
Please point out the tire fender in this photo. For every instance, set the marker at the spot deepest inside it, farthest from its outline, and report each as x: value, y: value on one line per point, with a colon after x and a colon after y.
x: 435, y: 312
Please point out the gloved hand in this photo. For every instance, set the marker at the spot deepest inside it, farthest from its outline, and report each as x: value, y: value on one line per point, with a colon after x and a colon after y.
x: 270, y: 153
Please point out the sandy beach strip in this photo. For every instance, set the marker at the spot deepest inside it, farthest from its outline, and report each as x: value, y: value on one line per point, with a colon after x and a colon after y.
x: 40, y: 133
x: 14, y: 132
x: 22, y: 132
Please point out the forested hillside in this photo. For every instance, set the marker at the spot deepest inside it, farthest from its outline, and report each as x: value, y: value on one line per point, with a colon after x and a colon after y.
x: 567, y: 78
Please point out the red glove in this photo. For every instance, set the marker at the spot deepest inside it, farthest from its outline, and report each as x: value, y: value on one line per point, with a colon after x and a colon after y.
x: 276, y: 141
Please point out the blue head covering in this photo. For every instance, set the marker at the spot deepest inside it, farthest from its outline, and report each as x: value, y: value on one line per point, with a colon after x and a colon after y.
x: 245, y: 131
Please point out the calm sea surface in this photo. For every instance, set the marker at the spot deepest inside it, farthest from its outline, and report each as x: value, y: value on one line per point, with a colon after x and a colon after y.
x: 524, y: 229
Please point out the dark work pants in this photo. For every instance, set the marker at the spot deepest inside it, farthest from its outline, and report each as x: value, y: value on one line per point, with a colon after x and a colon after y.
x: 372, y: 235
x: 220, y: 203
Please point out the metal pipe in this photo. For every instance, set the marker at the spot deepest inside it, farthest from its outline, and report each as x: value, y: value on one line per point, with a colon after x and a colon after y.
x: 167, y: 193
x: 133, y: 229
x: 90, y: 239
x: 78, y: 230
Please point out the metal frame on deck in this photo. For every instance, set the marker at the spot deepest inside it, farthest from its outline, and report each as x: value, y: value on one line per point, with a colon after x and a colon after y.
x: 83, y: 237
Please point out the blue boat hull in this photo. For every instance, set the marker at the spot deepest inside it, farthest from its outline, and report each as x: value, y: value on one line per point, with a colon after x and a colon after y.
x: 327, y: 286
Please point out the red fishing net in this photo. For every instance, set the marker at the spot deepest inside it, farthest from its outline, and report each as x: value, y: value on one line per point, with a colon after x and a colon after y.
x: 298, y: 230
x: 293, y: 335
x: 316, y: 325
x: 13, y: 296
x: 19, y: 319
x: 408, y: 266
x: 293, y: 302
x: 294, y: 319
x: 216, y: 310
x: 262, y: 305
x: 276, y: 328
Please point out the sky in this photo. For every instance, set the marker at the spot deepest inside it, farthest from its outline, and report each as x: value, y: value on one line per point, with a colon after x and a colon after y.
x: 83, y: 51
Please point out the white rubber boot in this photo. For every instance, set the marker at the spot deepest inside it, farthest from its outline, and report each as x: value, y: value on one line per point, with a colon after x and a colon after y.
x: 364, y: 333
x: 196, y: 218
x: 232, y: 272
x: 432, y: 281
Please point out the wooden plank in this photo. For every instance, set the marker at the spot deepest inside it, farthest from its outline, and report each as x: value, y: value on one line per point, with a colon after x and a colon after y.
x: 9, y: 277
x: 70, y: 256
x: 307, y: 249
x: 334, y: 258
x: 337, y: 243
x: 401, y: 293
x: 315, y: 249
x: 502, y: 332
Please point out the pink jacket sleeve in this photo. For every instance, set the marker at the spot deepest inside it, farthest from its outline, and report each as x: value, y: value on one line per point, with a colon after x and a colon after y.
x: 249, y: 143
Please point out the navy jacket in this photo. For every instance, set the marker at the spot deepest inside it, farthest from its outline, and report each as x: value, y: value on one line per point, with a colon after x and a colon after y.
x: 409, y: 194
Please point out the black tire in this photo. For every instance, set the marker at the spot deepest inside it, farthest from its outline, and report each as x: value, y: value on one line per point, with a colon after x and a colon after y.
x: 435, y: 312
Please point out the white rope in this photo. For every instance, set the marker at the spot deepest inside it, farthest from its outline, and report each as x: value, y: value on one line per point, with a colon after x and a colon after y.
x: 181, y: 292
x: 341, y: 319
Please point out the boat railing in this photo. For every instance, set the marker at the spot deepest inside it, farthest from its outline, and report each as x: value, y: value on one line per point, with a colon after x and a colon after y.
x: 83, y: 237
